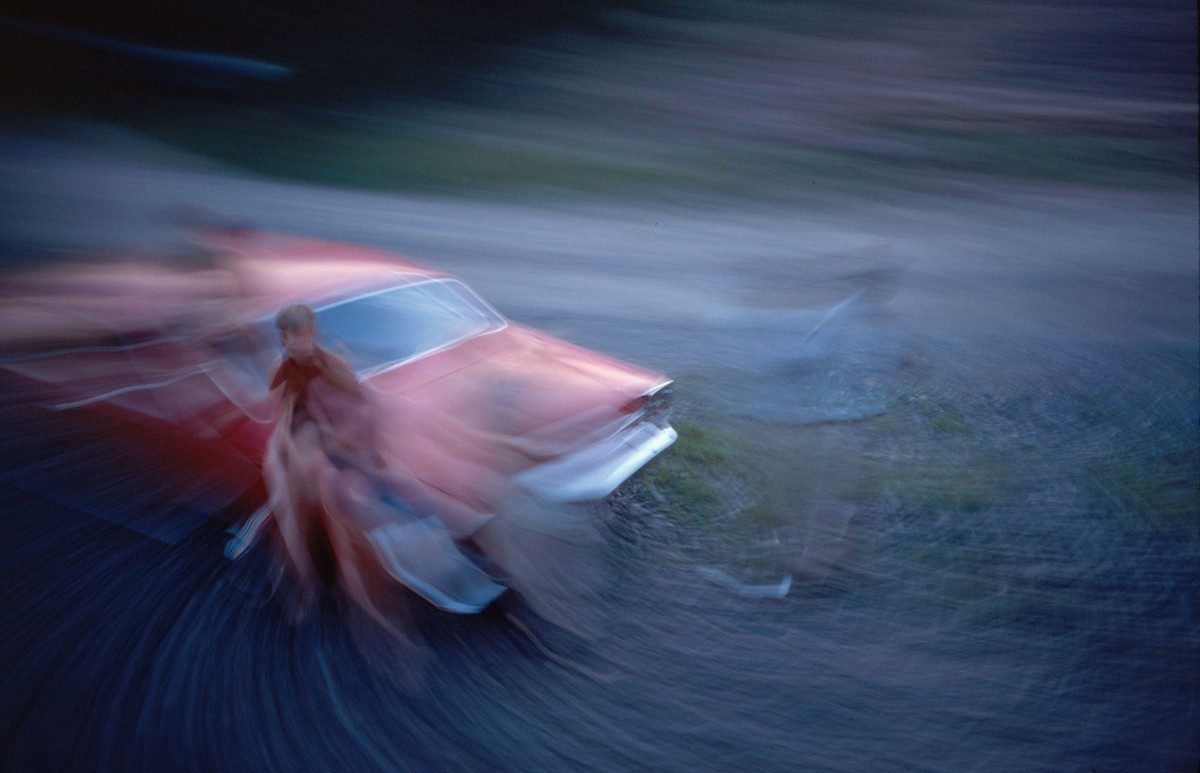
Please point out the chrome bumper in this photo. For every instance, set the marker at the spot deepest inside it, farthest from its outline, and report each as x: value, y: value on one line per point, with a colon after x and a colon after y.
x: 594, y: 472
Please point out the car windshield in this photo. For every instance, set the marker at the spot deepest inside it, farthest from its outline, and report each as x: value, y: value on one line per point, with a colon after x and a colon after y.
x: 371, y: 332
x: 387, y: 327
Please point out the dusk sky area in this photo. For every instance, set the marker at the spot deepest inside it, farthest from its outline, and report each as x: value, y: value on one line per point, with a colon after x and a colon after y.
x: 770, y: 385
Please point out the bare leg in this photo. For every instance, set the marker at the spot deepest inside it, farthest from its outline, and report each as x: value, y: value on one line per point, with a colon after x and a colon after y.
x: 342, y: 495
x: 293, y: 464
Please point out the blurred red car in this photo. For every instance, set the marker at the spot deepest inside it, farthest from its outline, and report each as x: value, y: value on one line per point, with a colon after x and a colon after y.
x: 136, y: 390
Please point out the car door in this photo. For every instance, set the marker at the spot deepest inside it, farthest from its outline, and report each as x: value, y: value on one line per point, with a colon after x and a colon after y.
x: 126, y: 431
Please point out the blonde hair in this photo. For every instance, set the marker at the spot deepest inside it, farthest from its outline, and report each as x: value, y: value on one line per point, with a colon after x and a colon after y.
x: 295, y: 317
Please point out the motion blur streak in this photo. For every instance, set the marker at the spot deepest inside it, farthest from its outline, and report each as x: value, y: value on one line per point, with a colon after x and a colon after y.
x: 924, y: 274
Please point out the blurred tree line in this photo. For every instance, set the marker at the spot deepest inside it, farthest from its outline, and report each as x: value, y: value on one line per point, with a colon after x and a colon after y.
x: 294, y: 52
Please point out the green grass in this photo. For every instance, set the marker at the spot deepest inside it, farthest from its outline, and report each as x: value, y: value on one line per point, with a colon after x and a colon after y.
x: 940, y: 459
x: 755, y: 480
x: 490, y: 156
x: 923, y: 496
x: 1149, y: 488
x: 1072, y: 157
x: 965, y: 483
x: 690, y: 480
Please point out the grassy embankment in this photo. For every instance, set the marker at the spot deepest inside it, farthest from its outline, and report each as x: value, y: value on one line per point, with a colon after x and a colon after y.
x: 931, y: 482
x: 491, y: 159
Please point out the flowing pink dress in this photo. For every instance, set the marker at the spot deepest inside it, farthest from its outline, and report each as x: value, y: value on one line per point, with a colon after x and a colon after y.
x: 341, y: 515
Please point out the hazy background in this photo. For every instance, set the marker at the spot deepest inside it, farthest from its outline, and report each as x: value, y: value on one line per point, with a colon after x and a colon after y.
x: 925, y: 275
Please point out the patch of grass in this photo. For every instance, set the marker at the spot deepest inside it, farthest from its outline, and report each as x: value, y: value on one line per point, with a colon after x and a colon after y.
x: 764, y: 516
x: 914, y: 489
x: 689, y: 494
x: 406, y: 155
x: 964, y: 484
x: 702, y: 447
x: 1065, y: 157
x: 490, y: 153
x: 947, y: 419
x: 941, y: 459
x: 687, y: 480
x: 1155, y: 489
x: 758, y: 482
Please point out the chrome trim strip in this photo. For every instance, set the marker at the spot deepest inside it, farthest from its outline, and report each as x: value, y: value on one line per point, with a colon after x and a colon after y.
x: 428, y: 280
x: 126, y: 390
x: 499, y: 321
x: 656, y: 389
x: 595, y: 472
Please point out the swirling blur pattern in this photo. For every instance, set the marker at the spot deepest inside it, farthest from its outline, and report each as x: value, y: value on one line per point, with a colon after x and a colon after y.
x: 925, y: 276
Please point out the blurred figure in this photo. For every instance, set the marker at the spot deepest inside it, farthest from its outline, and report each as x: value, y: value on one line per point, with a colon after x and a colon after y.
x: 168, y: 368
x: 341, y: 514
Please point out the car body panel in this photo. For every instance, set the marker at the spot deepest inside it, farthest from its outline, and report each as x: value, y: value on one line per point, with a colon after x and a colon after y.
x: 183, y: 355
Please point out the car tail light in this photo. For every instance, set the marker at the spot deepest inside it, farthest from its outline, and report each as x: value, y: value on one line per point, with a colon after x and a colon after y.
x: 658, y: 404
x: 636, y: 404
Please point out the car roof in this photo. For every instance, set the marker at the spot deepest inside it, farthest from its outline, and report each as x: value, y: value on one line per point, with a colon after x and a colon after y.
x: 251, y: 273
x: 274, y: 270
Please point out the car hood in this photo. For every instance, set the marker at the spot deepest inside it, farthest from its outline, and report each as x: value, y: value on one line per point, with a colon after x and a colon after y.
x: 519, y: 383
